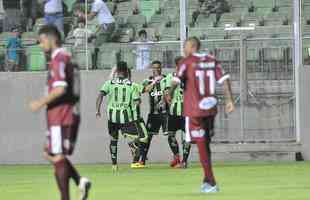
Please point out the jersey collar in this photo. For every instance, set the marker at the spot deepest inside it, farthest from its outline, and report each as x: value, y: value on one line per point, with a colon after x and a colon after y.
x: 57, y: 51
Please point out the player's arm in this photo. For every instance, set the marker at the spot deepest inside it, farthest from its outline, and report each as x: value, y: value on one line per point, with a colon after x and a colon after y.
x: 99, y: 103
x: 223, y: 78
x: 175, y: 82
x: 51, y: 97
x: 103, y: 92
x: 230, y: 105
x: 149, y: 87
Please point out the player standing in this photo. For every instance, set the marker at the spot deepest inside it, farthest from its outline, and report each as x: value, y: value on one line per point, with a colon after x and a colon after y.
x: 176, y: 122
x: 121, y: 94
x: 63, y: 116
x: 157, y: 118
x: 201, y: 72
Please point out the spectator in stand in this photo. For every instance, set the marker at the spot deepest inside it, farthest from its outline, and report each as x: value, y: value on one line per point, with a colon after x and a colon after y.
x: 135, y: 6
x: 106, y: 26
x: 81, y: 34
x: 13, y: 47
x: 143, y: 51
x: 53, y: 14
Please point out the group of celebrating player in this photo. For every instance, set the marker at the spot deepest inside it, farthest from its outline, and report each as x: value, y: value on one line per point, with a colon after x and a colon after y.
x: 184, y: 100
x: 123, y: 110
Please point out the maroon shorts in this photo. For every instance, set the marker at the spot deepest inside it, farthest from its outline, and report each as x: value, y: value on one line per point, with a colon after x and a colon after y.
x: 61, y: 139
x: 199, y: 128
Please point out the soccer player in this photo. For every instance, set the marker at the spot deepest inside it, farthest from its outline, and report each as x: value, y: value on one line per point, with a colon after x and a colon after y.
x: 62, y: 102
x: 176, y: 122
x: 121, y: 94
x: 157, y: 118
x: 201, y: 72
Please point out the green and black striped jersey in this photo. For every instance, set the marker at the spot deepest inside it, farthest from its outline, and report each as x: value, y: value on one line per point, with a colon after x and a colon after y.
x: 176, y: 107
x: 136, y: 112
x: 121, y: 93
x: 157, y: 101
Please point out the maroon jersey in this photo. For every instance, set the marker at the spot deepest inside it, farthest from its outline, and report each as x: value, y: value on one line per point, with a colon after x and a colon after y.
x: 62, y: 72
x: 200, y: 73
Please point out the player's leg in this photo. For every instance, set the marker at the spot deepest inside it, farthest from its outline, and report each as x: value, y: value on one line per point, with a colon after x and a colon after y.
x: 153, y: 127
x: 197, y: 130
x: 143, y: 140
x: 186, y: 146
x: 113, y: 132
x: 54, y: 153
x: 172, y: 140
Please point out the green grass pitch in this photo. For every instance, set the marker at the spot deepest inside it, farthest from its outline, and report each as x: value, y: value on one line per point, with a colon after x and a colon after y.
x: 237, y: 181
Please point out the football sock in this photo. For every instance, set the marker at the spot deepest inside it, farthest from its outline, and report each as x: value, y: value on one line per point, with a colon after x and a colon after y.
x: 205, y: 160
x: 73, y: 173
x: 147, y: 148
x: 186, y: 150
x: 173, y: 144
x: 62, y: 178
x: 134, y: 148
x: 113, y: 151
x: 142, y: 149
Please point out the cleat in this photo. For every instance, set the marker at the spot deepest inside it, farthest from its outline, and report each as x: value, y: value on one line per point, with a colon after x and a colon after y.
x: 175, y: 162
x: 114, y: 168
x: 137, y: 166
x: 84, y: 187
x: 184, y: 165
x: 207, y: 188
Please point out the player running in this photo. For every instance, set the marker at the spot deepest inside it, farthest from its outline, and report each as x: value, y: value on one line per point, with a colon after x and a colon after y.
x: 176, y: 122
x: 201, y: 72
x: 63, y: 119
x: 157, y: 118
x: 121, y: 95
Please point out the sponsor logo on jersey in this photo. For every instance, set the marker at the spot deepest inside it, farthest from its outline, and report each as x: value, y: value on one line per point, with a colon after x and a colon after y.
x: 157, y: 93
x: 119, y: 81
x: 198, y: 133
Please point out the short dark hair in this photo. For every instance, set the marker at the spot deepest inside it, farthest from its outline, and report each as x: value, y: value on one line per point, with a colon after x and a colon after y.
x: 51, y: 31
x: 195, y: 41
x: 122, y: 66
x: 142, y: 32
x: 156, y: 62
x: 178, y: 59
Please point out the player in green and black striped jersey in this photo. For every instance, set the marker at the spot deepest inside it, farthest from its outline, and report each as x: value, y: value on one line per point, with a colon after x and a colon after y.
x: 176, y: 122
x: 157, y: 119
x: 121, y: 94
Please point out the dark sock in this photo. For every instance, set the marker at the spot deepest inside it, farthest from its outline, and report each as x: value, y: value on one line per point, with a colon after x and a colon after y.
x: 62, y: 178
x: 142, y: 150
x: 73, y: 173
x: 134, y: 147
x: 147, y: 148
x: 205, y: 160
x: 173, y: 144
x: 113, y: 151
x: 186, y: 150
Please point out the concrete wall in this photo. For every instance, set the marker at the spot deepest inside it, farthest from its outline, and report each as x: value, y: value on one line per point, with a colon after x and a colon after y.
x: 22, y: 134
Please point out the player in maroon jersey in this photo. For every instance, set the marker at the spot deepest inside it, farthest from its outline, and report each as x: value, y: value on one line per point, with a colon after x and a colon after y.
x: 201, y: 72
x: 62, y: 103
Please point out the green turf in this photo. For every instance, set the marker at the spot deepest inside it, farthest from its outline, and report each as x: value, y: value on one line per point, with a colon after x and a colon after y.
x: 248, y: 181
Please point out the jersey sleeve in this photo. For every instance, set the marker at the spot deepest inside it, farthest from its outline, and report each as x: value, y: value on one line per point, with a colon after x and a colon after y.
x: 220, y: 74
x: 168, y: 81
x: 105, y: 89
x: 58, y: 73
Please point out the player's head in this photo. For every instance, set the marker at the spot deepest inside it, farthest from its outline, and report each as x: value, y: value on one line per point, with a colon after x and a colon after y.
x: 178, y: 60
x: 49, y: 38
x: 122, y: 69
x: 191, y: 46
x: 156, y: 68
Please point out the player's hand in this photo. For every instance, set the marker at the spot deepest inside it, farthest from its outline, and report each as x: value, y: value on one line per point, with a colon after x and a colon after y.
x: 98, y: 115
x: 168, y: 99
x: 35, y: 106
x: 230, y: 107
x: 157, y: 79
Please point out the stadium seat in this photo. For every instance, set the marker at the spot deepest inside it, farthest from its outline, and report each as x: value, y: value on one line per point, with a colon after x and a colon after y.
x: 35, y: 58
x: 137, y: 21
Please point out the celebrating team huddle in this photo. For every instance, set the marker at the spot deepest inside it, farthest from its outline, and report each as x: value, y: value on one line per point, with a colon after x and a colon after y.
x: 181, y: 101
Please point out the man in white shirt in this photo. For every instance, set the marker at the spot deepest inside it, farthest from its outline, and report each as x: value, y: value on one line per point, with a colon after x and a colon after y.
x: 106, y: 24
x: 53, y: 14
